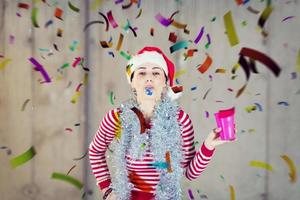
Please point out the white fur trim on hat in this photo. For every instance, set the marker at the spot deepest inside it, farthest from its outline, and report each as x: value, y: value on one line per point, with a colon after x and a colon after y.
x: 146, y: 57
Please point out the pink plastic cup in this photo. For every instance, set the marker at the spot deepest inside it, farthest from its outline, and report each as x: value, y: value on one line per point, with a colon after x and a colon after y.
x: 225, y: 120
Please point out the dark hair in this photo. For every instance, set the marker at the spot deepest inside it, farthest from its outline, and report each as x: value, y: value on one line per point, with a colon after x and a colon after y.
x: 131, y: 77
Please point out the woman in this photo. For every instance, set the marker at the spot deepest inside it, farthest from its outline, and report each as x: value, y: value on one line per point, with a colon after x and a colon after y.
x: 153, y: 137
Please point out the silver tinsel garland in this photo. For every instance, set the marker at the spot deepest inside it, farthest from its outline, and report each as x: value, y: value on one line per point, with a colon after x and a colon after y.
x: 164, y: 136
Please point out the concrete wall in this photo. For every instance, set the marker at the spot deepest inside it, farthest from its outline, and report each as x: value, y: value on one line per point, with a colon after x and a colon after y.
x: 262, y: 135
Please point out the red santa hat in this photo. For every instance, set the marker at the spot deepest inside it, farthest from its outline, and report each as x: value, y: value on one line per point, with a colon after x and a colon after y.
x: 156, y: 56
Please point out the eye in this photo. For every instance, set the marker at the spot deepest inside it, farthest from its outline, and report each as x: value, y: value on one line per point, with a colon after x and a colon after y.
x: 141, y: 73
x: 156, y: 73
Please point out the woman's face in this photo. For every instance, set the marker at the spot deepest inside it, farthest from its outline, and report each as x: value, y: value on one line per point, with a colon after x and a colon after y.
x: 149, y: 81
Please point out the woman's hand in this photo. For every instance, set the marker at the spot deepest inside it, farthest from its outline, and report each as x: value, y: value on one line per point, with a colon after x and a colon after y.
x: 213, y: 139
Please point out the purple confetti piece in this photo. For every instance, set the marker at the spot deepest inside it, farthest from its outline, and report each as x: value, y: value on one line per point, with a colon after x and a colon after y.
x: 39, y: 67
x: 191, y: 194
x: 286, y: 18
x: 198, y: 38
x: 11, y: 39
x: 294, y: 75
x: 207, y: 114
x: 164, y: 21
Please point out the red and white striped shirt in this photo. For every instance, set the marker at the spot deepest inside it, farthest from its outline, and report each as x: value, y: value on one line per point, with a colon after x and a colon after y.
x: 144, y: 176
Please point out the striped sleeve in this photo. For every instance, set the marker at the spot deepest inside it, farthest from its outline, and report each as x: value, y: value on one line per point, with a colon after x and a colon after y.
x: 194, y: 162
x: 109, y: 127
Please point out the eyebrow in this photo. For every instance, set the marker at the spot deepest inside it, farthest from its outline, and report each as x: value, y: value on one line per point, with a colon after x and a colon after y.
x: 145, y: 68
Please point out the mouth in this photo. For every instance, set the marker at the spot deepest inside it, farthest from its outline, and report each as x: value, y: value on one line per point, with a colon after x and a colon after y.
x: 149, y: 90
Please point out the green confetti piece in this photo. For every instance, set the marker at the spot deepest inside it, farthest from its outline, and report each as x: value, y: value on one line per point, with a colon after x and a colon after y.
x: 127, y: 57
x: 65, y: 65
x: 111, y: 98
x: 23, y: 158
x: 34, y: 17
x: 67, y: 178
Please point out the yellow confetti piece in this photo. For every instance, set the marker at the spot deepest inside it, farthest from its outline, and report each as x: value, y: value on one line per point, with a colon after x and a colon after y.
x: 95, y: 4
x: 255, y: 163
x: 235, y: 67
x: 85, y: 78
x: 75, y: 97
x: 298, y: 62
x: 291, y: 165
x: 4, y: 63
x: 232, y: 192
x: 220, y: 70
x: 251, y: 130
x: 180, y: 72
x: 249, y: 109
x: 229, y: 26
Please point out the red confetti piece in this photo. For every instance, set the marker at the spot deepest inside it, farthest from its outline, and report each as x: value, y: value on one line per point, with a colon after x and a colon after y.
x: 207, y: 63
x: 58, y: 13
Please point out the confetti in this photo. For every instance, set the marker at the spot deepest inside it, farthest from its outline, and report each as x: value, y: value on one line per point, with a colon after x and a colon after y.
x: 207, y: 63
x: 105, y: 44
x: 68, y: 129
x: 168, y: 161
x: 264, y: 16
x: 111, y: 19
x: 111, y: 53
x: 76, y: 159
x: 24, y: 104
x: 206, y: 114
x: 48, y: 23
x: 220, y: 70
x: 4, y: 63
x: 172, y: 37
x: 208, y: 41
x: 58, y: 13
x: 229, y: 26
x: 259, y: 107
x: 232, y: 192
x: 198, y: 38
x: 252, y: 10
x: 67, y: 178
x: 298, y: 62
x: 164, y: 21
x: 133, y: 31
x: 127, y: 57
x: 293, y: 75
x: 91, y: 23
x: 39, y: 67
x: 191, y: 194
x: 111, y: 98
x: 283, y: 103
x: 34, y: 14
x: 120, y: 41
x: 23, y: 5
x: 292, y: 168
x: 140, y: 12
x: 260, y: 164
x: 23, y: 158
x: 8, y: 151
x: 180, y: 72
x: 59, y: 32
x: 71, y: 169
x: 152, y: 31
x: 178, y: 25
x: 72, y: 7
x: 127, y: 6
x: 75, y: 97
x: 251, y: 108
x: 206, y: 93
x: 11, y: 39
x: 178, y: 46
x: 159, y: 165
x: 194, y: 88
x: 106, y: 20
